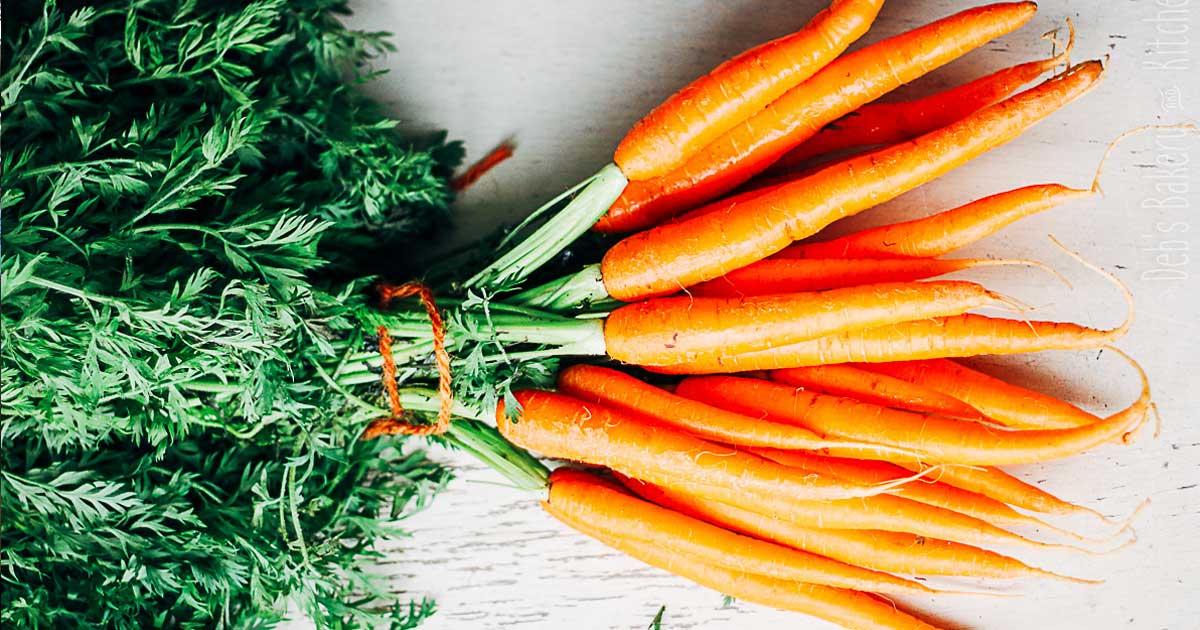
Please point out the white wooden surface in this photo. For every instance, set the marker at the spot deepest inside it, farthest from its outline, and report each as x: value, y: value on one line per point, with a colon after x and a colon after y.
x: 565, y: 79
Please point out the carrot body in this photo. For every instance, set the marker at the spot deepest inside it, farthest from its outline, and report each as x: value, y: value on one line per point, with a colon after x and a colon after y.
x: 772, y: 276
x: 850, y: 609
x: 886, y: 123
x: 880, y: 389
x: 894, y: 552
x: 739, y: 88
x: 944, y: 232
x: 838, y: 89
x: 941, y: 440
x: 957, y: 336
x: 935, y: 493
x: 566, y: 428
x: 666, y: 331
x: 1006, y: 403
x: 663, y: 259
x: 617, y: 390
x: 999, y: 485
x: 603, y: 508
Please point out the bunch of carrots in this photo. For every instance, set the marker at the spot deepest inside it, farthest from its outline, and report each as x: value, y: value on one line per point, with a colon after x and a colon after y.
x: 821, y: 449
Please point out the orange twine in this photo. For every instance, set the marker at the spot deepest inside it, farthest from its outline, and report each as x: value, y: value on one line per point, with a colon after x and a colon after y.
x: 397, y: 423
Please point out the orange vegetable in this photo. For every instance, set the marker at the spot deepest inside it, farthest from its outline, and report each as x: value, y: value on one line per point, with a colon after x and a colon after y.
x: 565, y: 428
x: 857, y: 382
x: 772, y: 275
x: 938, y: 439
x: 620, y: 391
x: 944, y: 232
x: 684, y: 329
x: 739, y: 88
x: 838, y: 89
x: 887, y: 123
x: 608, y: 511
x: 668, y: 257
x: 894, y: 552
x: 1006, y: 403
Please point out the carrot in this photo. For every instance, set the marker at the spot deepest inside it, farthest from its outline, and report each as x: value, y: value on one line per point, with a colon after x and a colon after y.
x: 958, y: 336
x: 847, y: 608
x: 894, y: 552
x: 622, y: 392
x: 607, y: 510
x: 999, y: 485
x: 1006, y: 403
x: 667, y: 257
x: 887, y: 123
x: 674, y: 329
x: 739, y: 88
x: 818, y: 274
x: 838, y: 89
x: 563, y: 427
x: 880, y: 389
x: 944, y: 232
x: 929, y: 492
x: 939, y: 439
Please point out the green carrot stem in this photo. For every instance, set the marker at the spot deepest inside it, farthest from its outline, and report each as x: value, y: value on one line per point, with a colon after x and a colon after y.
x: 583, y: 290
x: 594, y: 198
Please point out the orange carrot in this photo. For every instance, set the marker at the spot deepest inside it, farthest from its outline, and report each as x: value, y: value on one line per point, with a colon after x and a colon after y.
x: 887, y: 123
x: 880, y: 389
x: 622, y: 392
x: 670, y: 256
x: 850, y: 609
x: 957, y: 336
x: 999, y: 485
x: 838, y: 89
x: 944, y: 232
x: 941, y: 440
x: 606, y: 510
x: 894, y: 552
x: 674, y: 329
x: 930, y: 492
x: 563, y: 427
x: 818, y: 274
x: 1006, y: 403
x: 739, y: 88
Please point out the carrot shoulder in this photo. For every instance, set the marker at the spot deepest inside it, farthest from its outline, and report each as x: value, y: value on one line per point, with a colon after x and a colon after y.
x: 737, y: 89
x: 838, y: 89
x: 565, y: 428
x: 661, y: 260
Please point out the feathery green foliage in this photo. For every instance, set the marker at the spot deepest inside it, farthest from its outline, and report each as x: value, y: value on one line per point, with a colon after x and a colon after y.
x: 182, y: 184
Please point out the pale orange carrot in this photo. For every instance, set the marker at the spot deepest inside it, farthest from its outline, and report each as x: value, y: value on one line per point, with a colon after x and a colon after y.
x: 894, y: 552
x: 607, y: 510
